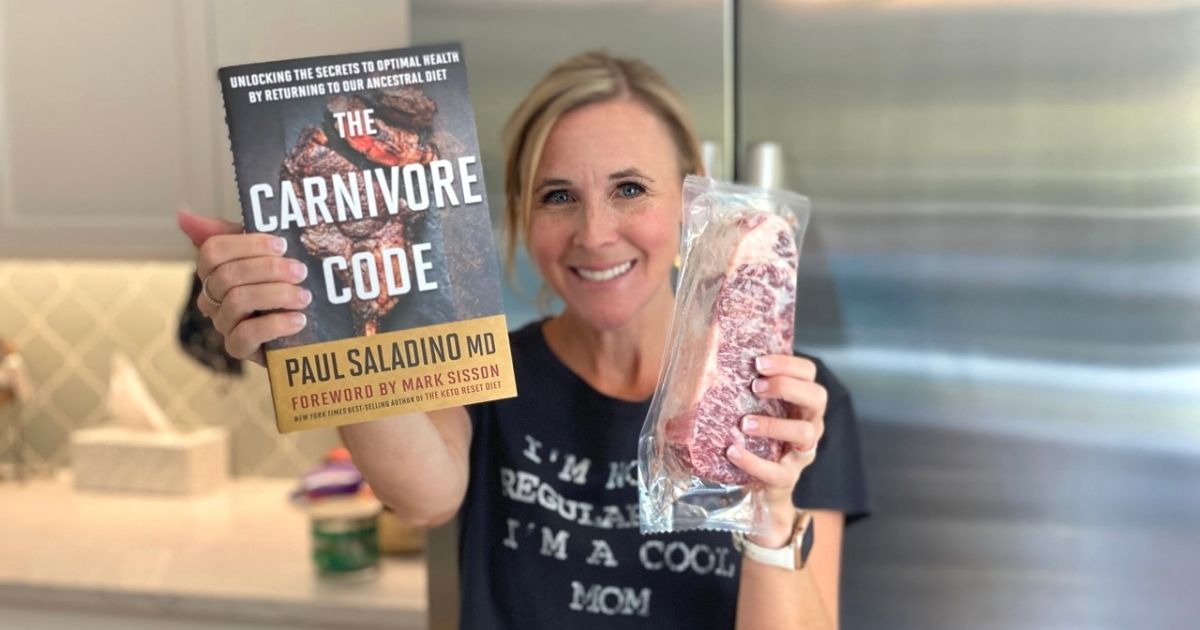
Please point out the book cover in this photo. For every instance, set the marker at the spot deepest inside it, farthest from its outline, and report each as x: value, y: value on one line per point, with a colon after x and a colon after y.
x: 368, y: 164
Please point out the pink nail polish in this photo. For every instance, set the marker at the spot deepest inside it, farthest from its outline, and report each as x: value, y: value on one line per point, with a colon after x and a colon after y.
x: 759, y: 385
x: 762, y: 363
x: 733, y: 452
x: 749, y: 424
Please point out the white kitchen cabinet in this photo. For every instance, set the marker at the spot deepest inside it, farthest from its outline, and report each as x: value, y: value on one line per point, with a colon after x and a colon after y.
x: 111, y: 117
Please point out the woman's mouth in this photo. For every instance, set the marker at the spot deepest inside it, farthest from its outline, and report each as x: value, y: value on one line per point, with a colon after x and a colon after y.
x: 604, y: 275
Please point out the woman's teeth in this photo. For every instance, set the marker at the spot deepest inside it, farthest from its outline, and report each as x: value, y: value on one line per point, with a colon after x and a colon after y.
x: 604, y: 274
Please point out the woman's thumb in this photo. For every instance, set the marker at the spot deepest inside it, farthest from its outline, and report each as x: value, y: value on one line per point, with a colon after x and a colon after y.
x: 200, y: 229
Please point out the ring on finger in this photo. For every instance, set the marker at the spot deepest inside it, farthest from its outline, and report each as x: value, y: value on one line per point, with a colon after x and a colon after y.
x: 208, y: 296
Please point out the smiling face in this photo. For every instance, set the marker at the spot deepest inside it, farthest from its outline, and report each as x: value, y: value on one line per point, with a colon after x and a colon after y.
x: 605, y: 211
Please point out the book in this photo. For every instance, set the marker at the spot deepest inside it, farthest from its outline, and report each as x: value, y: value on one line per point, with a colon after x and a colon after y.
x: 368, y: 165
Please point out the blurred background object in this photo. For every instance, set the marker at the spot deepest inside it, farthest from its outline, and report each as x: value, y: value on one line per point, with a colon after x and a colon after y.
x: 349, y: 526
x: 138, y: 449
x: 15, y: 389
x: 343, y: 515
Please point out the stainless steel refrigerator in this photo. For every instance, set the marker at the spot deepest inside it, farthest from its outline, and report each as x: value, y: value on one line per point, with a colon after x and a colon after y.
x: 1003, y: 265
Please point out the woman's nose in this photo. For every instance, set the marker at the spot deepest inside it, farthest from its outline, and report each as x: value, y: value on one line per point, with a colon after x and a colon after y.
x: 598, y: 226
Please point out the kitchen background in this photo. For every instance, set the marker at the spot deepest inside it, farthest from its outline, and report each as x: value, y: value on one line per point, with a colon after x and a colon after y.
x: 68, y: 317
x: 1004, y: 263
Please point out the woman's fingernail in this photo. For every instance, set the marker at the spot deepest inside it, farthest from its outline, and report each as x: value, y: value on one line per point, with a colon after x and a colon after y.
x: 305, y: 297
x: 733, y: 452
x: 299, y: 270
x: 759, y: 385
x: 299, y: 319
x: 749, y: 424
x: 279, y: 245
x: 762, y: 363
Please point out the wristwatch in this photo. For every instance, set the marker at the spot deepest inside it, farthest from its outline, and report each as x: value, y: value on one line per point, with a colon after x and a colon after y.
x: 792, y: 556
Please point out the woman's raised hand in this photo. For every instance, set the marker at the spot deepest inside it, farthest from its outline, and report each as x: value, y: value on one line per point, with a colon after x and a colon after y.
x: 250, y: 288
x: 793, y: 380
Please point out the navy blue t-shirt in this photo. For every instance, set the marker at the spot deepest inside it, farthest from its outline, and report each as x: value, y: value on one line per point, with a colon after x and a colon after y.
x: 549, y: 534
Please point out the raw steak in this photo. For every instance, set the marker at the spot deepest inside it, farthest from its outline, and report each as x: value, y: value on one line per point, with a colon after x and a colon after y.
x: 745, y: 267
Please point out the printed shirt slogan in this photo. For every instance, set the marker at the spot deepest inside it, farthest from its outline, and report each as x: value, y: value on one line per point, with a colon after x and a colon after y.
x: 550, y: 469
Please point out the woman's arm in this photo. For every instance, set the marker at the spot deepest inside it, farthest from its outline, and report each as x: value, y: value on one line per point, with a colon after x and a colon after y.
x: 770, y: 597
x: 416, y: 463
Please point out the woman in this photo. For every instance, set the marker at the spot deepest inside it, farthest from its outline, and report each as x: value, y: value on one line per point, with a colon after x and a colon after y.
x: 545, y: 484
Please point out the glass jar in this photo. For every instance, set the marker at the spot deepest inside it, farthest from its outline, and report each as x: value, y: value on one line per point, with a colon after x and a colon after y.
x: 345, y: 539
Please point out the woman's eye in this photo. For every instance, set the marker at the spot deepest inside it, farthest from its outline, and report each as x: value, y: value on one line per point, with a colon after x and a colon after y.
x: 630, y: 190
x: 556, y: 196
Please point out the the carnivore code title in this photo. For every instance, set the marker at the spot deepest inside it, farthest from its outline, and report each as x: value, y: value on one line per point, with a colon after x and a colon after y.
x: 448, y: 183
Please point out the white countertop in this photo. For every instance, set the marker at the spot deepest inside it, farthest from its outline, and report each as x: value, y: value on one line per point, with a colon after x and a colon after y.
x: 237, y: 554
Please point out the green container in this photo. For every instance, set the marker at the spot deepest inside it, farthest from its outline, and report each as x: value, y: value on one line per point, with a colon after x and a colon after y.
x: 345, y: 537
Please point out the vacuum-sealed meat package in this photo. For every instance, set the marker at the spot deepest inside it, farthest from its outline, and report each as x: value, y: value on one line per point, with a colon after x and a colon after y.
x: 735, y: 301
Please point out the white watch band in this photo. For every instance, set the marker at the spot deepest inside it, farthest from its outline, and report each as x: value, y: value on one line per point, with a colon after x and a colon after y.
x: 789, y: 557
x: 784, y: 557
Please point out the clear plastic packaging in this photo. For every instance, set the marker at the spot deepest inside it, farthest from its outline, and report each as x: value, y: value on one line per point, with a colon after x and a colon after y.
x: 735, y: 301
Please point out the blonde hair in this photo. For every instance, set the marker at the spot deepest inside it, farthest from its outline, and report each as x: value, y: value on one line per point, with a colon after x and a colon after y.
x: 590, y: 77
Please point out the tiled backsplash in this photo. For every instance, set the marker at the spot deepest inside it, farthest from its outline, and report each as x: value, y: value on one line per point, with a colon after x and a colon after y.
x: 68, y: 318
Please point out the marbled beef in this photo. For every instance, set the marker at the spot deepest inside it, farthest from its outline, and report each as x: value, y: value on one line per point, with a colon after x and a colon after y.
x: 745, y: 267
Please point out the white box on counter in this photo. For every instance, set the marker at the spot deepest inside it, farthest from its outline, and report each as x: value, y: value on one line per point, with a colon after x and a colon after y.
x: 122, y: 459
